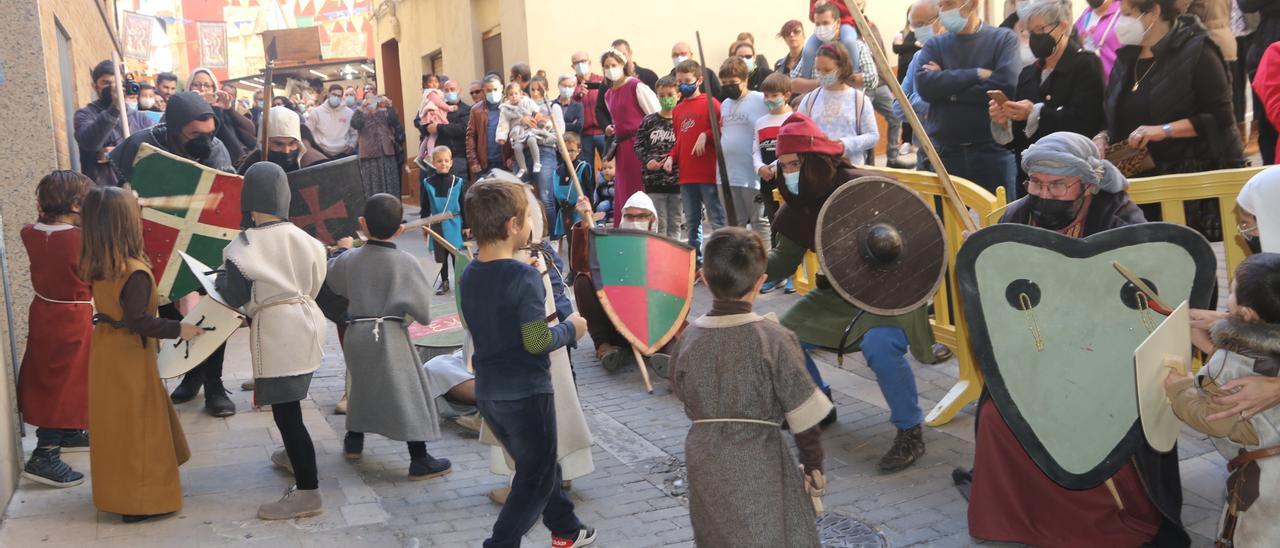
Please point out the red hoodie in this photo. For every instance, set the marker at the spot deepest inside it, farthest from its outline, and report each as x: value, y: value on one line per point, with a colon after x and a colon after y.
x: 689, y: 120
x: 1266, y: 83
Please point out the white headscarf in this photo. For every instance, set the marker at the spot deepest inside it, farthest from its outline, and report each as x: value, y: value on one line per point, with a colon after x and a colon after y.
x: 641, y: 200
x: 1261, y: 197
x: 206, y: 71
x: 283, y: 122
x: 1067, y: 154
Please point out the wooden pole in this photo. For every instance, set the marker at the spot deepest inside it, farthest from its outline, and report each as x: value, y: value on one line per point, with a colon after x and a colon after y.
x: 644, y: 370
x: 917, y: 128
x: 732, y: 218
x: 568, y: 162
x: 117, y: 54
x: 440, y: 240
x: 268, y: 94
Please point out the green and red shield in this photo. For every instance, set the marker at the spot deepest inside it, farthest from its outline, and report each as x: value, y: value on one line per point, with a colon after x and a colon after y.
x: 201, y: 233
x: 645, y: 284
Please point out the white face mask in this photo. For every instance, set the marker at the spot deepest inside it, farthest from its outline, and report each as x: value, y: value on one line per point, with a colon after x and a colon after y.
x: 635, y: 225
x: 147, y: 102
x: 582, y: 68
x: 675, y: 61
x: 826, y: 33
x: 566, y: 92
x: 1129, y: 30
x: 613, y: 73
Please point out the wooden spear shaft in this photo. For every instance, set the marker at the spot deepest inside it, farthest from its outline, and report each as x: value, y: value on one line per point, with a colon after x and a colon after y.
x: 917, y: 128
x: 117, y: 54
x: 732, y: 218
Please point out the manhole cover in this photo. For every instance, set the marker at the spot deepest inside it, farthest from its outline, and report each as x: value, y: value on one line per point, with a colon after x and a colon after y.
x: 837, y: 530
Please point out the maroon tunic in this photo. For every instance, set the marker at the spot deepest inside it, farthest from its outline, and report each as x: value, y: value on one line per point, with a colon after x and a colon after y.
x: 627, y: 115
x: 53, y: 381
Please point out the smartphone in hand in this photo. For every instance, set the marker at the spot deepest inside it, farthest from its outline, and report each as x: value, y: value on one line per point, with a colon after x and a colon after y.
x: 998, y: 96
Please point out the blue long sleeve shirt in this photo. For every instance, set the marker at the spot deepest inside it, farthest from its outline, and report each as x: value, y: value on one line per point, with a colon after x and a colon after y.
x: 909, y: 89
x: 957, y: 94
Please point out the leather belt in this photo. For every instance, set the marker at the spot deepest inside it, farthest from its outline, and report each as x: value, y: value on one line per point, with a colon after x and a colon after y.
x: 1235, y: 482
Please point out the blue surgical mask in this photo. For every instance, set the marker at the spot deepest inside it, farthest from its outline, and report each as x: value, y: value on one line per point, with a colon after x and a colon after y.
x: 952, y: 20
x: 335, y: 101
x: 350, y: 100
x: 827, y: 79
x: 923, y: 34
x: 493, y: 97
x: 775, y: 104
x: 451, y: 97
x: 792, y: 180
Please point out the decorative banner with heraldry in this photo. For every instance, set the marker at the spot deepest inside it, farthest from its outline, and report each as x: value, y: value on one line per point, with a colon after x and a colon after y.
x: 1054, y: 327
x: 326, y: 200
x: 202, y: 233
x: 645, y: 284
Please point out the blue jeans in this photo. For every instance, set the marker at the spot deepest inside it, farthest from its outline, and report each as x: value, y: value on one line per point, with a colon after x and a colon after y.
x: 848, y: 38
x: 988, y: 165
x: 527, y: 429
x: 545, y: 179
x: 592, y: 145
x: 885, y: 349
x: 696, y: 196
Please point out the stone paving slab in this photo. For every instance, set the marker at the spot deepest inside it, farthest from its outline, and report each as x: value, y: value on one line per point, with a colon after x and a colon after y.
x: 633, y: 497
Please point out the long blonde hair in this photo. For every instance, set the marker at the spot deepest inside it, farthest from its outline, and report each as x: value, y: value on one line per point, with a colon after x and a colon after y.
x: 112, y: 234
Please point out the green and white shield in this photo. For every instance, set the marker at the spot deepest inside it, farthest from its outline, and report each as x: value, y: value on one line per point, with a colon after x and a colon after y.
x: 1054, y: 327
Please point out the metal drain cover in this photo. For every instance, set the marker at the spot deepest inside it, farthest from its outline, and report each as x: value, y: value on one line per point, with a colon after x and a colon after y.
x: 837, y: 530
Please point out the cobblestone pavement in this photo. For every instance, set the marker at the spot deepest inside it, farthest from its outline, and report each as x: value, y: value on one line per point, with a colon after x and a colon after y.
x: 633, y: 497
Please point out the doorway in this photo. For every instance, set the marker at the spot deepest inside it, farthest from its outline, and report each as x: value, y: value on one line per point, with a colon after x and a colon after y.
x: 392, y: 88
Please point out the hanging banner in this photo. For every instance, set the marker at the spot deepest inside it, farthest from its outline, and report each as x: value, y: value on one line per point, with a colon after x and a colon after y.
x: 136, y: 35
x: 212, y: 38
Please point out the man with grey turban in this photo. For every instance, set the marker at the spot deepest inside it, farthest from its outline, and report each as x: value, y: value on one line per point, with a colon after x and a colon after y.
x: 1071, y: 190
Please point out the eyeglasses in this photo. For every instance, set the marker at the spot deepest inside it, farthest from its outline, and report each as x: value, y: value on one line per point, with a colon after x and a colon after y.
x: 1247, y: 229
x: 199, y: 85
x: 637, y: 217
x: 1056, y: 188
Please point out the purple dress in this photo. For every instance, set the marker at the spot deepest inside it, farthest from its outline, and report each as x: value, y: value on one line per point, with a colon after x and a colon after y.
x: 627, y: 115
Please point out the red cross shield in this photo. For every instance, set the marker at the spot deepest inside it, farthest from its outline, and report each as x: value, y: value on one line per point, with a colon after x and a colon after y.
x: 327, y: 199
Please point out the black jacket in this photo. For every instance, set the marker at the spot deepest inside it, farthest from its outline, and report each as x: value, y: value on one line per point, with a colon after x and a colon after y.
x: 1268, y: 30
x: 1072, y: 97
x: 1108, y: 210
x: 1189, y: 79
x: 453, y: 134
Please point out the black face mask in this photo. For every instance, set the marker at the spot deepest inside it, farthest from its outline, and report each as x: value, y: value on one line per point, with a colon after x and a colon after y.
x: 1052, y: 214
x: 1095, y: 3
x: 1254, y: 244
x: 199, y: 148
x: 104, y: 95
x: 287, y: 161
x: 1042, y: 45
x: 732, y: 92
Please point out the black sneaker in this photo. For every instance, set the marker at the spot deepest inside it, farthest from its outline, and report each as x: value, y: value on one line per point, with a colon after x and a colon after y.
x: 442, y: 287
x: 216, y: 402
x: 964, y: 481
x: 581, y: 537
x: 46, y: 466
x: 429, y: 467
x: 75, y: 443
x: 908, y: 446
x: 187, y: 389
x: 352, y: 446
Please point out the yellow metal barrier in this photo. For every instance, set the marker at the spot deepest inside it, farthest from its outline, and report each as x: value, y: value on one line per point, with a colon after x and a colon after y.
x: 1171, y: 191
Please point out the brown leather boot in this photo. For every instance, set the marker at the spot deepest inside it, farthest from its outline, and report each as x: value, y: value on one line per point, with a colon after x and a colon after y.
x: 907, y: 447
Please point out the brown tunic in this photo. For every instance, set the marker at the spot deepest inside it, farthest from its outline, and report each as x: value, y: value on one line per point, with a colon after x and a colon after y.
x: 745, y: 488
x: 137, y: 441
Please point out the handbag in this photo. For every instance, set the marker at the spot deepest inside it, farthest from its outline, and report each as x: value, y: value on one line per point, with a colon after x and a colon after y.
x: 1129, y: 160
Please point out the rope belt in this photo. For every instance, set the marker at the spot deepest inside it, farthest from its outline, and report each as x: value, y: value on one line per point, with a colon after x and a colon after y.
x: 56, y: 301
x: 297, y: 299
x: 377, y: 323
x: 748, y: 421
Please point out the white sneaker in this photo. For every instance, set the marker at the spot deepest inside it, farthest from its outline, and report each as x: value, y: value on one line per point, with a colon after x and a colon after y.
x: 584, y: 536
x: 520, y: 174
x: 906, y: 148
x: 537, y: 168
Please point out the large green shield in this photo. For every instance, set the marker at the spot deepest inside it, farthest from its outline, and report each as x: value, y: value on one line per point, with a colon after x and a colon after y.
x: 1054, y: 327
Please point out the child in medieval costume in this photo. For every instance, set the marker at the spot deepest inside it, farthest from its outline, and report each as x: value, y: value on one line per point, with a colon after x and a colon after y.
x: 274, y: 271
x: 442, y: 193
x: 54, y: 378
x: 566, y: 195
x: 518, y: 385
x: 387, y: 290
x: 137, y: 442
x: 740, y: 376
x: 1243, y: 344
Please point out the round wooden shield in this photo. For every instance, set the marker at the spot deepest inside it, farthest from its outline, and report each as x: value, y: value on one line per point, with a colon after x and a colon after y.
x: 881, y: 246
